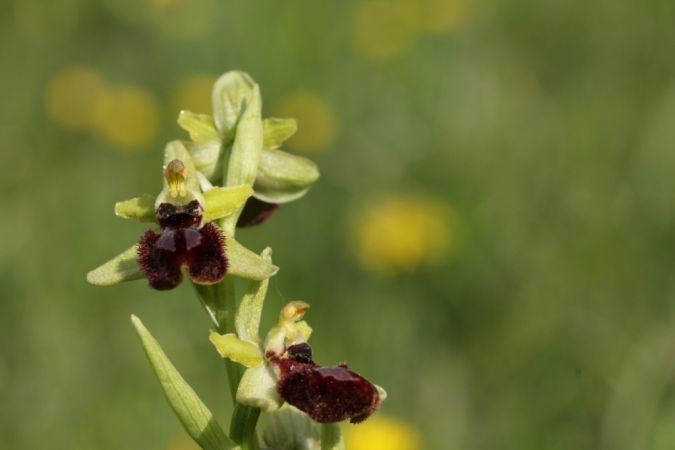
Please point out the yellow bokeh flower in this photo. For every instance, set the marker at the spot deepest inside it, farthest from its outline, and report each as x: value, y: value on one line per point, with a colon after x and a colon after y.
x: 183, y: 19
x: 316, y: 121
x: 381, y: 432
x: 399, y: 234
x: 384, y: 29
x: 439, y: 16
x: 71, y: 95
x: 127, y: 116
x: 193, y: 94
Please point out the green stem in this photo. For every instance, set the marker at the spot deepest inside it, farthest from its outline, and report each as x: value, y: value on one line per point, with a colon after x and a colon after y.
x: 331, y: 437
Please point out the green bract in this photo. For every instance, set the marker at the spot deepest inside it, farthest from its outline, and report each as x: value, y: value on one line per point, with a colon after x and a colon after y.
x: 196, y: 418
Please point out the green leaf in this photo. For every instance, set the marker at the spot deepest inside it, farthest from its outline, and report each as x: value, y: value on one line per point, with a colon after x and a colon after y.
x: 223, y: 201
x: 231, y: 94
x: 200, y: 126
x: 283, y: 177
x: 123, y: 267
x: 243, y: 352
x: 244, y: 263
x: 247, y: 318
x: 188, y: 407
x: 276, y: 131
x: 141, y: 208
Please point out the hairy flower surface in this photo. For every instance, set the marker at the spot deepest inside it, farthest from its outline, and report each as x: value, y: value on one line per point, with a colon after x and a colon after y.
x: 282, y: 370
x: 189, y: 236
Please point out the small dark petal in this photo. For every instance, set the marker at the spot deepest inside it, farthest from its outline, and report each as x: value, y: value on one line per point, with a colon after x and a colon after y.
x: 173, y: 216
x: 326, y: 394
x: 162, y: 271
x: 206, y: 261
x: 300, y: 352
x: 255, y: 212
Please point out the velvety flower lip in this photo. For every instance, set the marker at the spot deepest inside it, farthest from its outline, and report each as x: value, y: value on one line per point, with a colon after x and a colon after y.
x: 182, y: 242
x: 326, y: 394
x: 256, y: 212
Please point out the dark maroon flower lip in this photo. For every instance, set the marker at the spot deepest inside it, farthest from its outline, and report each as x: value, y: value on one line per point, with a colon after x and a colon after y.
x: 182, y: 243
x: 326, y: 394
x: 255, y: 212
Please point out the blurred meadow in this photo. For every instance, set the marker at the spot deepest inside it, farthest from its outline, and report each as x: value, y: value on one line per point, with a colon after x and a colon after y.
x: 492, y: 238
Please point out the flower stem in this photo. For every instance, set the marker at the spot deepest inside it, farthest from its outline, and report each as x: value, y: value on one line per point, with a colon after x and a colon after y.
x: 331, y: 437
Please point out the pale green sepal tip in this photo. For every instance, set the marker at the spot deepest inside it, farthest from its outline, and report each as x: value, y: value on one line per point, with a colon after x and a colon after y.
x: 141, y: 208
x: 247, y: 318
x: 238, y: 350
x: 276, y: 131
x: 231, y: 92
x: 222, y: 201
x: 123, y: 267
x: 196, y: 418
x: 200, y: 126
x: 258, y: 388
x: 381, y: 392
x: 244, y: 263
x: 283, y: 177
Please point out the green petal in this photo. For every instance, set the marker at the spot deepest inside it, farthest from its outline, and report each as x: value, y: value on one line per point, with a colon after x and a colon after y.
x: 258, y: 388
x: 231, y: 92
x: 247, y: 318
x: 200, y: 126
x: 243, y: 352
x: 123, y: 267
x: 196, y: 418
x: 283, y: 177
x: 141, y: 208
x: 244, y: 263
x: 276, y: 131
x: 206, y: 158
x: 221, y: 202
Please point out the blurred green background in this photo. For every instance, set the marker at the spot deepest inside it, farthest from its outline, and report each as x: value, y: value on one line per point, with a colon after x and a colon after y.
x: 492, y: 239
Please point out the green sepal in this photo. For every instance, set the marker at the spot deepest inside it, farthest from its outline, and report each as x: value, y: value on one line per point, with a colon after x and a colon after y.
x: 288, y: 428
x: 238, y: 350
x: 258, y: 388
x: 222, y: 201
x: 196, y: 418
x: 283, y: 177
x: 231, y: 94
x: 206, y: 157
x: 123, y: 267
x: 244, y: 263
x: 247, y: 318
x: 200, y: 126
x: 276, y: 131
x: 243, y: 161
x: 141, y: 208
